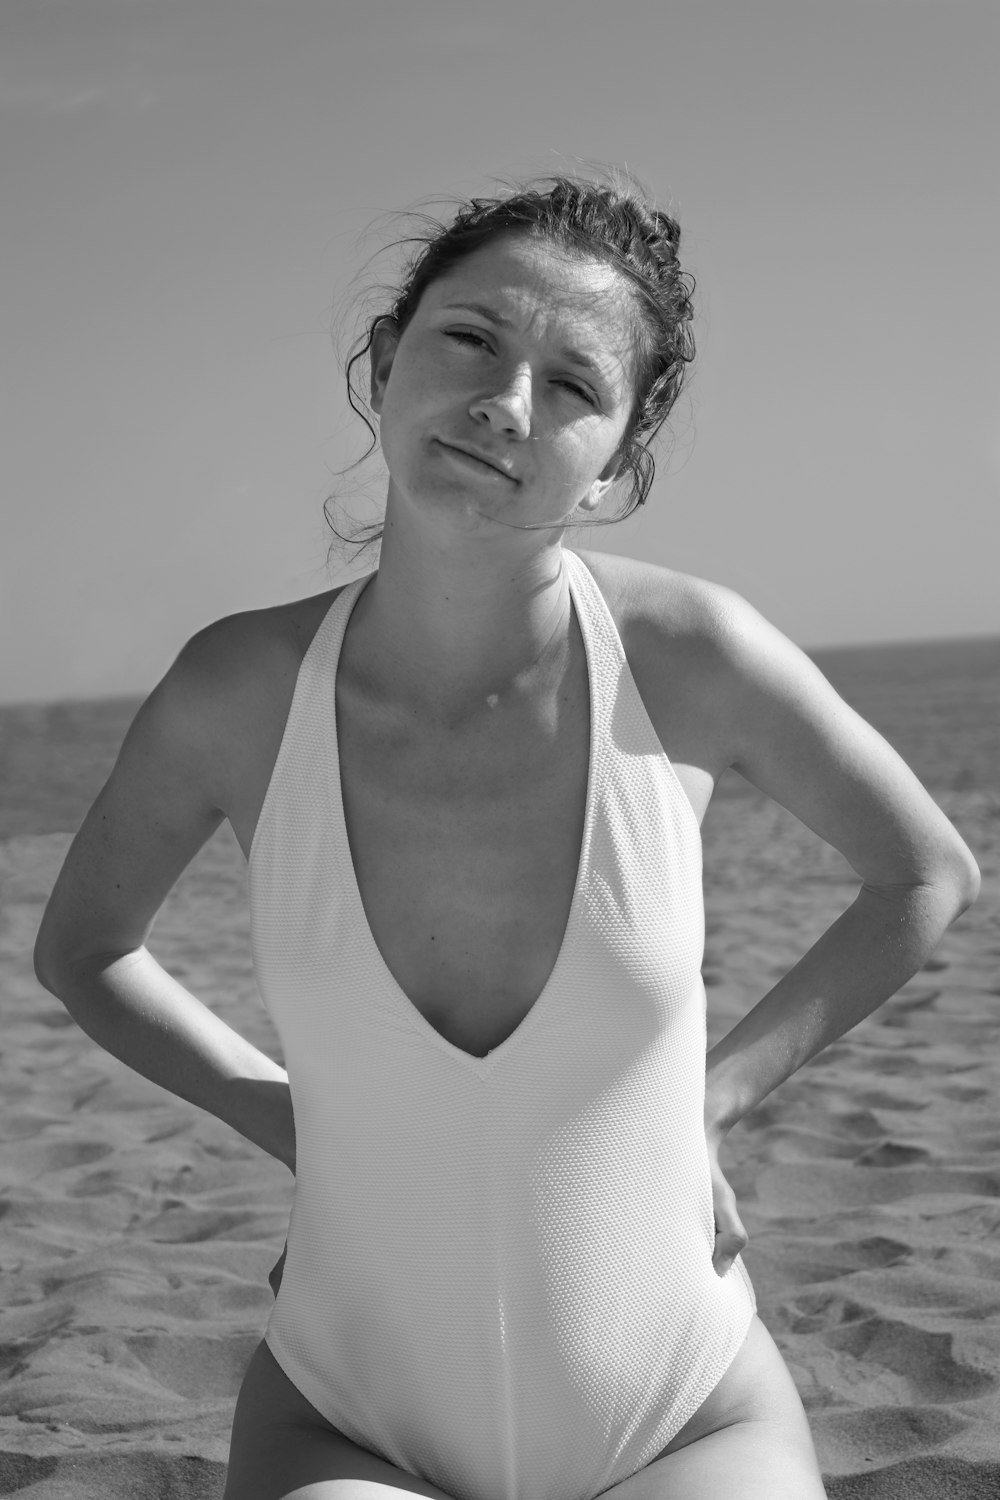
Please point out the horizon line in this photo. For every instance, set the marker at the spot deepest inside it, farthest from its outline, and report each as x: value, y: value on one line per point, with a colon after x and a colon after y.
x: 137, y: 694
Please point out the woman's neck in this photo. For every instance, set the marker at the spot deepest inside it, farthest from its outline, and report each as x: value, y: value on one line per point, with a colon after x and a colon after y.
x: 448, y: 624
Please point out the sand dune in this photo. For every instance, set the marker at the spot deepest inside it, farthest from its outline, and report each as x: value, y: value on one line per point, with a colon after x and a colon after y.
x: 136, y: 1234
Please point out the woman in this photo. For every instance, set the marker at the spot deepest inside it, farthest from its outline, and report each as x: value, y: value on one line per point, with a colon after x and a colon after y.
x: 469, y: 788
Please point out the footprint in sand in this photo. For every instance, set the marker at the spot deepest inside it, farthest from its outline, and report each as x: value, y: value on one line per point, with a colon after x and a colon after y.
x: 880, y: 1099
x: 37, y: 1158
x: 821, y: 1260
x: 850, y: 1125
x: 923, y: 1360
x: 962, y: 1093
x: 179, y: 1223
x: 893, y: 1154
x: 926, y: 1361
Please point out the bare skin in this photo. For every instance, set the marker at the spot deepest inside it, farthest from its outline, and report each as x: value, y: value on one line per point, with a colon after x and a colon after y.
x: 463, y: 713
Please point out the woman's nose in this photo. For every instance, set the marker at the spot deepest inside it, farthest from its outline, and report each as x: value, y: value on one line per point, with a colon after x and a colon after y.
x: 508, y: 408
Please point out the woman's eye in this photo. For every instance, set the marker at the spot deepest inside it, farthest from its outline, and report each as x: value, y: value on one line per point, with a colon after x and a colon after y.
x: 578, y: 390
x: 465, y: 336
x: 477, y: 341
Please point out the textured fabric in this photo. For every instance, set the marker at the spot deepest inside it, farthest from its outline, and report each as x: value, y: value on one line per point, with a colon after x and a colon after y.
x: 499, y: 1271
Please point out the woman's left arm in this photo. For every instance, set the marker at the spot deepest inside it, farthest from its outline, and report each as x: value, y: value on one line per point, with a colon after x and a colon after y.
x: 792, y: 736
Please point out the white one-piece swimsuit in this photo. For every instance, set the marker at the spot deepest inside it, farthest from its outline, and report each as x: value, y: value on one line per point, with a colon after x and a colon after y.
x: 499, y: 1272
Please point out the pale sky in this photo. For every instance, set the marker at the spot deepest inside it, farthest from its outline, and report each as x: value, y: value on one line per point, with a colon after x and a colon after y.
x: 185, y: 185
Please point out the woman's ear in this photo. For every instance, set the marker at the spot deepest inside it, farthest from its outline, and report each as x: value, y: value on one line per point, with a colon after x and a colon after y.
x: 600, y: 486
x: 385, y: 339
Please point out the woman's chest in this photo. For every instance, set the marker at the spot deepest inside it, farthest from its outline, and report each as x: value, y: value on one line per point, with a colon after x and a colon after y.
x: 465, y: 847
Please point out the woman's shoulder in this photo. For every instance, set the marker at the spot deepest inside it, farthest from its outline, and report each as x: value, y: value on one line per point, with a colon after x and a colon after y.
x: 219, y: 712
x: 758, y: 703
x: 254, y: 644
x: 709, y: 667
x: 662, y: 610
x: 240, y: 671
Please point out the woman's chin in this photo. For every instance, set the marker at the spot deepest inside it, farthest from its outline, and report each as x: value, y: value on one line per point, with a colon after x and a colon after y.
x: 460, y: 508
x: 443, y: 502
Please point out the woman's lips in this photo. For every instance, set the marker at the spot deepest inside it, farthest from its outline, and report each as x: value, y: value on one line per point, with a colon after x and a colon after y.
x: 477, y: 461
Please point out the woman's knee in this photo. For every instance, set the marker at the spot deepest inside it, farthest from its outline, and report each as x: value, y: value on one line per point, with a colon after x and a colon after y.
x: 363, y: 1489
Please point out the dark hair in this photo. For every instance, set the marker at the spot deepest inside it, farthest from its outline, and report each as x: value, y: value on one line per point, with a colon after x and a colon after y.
x: 614, y: 222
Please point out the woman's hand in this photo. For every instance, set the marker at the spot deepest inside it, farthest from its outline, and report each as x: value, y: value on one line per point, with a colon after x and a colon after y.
x: 730, y: 1236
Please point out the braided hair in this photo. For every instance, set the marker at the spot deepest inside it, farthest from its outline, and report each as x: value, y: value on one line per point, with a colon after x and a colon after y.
x: 613, y: 223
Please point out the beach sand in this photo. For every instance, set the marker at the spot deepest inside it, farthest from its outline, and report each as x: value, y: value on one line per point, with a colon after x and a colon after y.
x: 136, y: 1233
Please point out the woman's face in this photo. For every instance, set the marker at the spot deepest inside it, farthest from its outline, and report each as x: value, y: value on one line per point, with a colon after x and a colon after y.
x: 507, y: 395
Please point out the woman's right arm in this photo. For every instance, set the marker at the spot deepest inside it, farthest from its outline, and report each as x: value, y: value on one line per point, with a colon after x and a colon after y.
x: 169, y: 790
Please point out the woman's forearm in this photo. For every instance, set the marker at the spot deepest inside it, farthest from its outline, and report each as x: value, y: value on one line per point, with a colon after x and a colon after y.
x: 132, y: 1008
x: 882, y: 939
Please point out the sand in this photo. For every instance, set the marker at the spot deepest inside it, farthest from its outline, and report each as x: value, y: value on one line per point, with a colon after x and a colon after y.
x: 136, y: 1234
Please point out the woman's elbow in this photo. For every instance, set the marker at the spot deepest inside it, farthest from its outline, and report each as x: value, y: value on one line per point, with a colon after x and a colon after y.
x: 959, y: 877
x: 50, y: 958
x: 971, y: 884
x: 945, y: 883
x: 58, y: 954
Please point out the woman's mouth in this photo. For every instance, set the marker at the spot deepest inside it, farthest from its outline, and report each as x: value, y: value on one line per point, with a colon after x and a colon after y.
x: 474, y: 462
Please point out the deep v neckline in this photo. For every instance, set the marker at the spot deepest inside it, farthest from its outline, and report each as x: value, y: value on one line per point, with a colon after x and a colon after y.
x: 398, y: 995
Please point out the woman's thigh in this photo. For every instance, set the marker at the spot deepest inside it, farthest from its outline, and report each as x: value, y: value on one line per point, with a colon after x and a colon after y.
x: 749, y: 1439
x: 283, y: 1449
